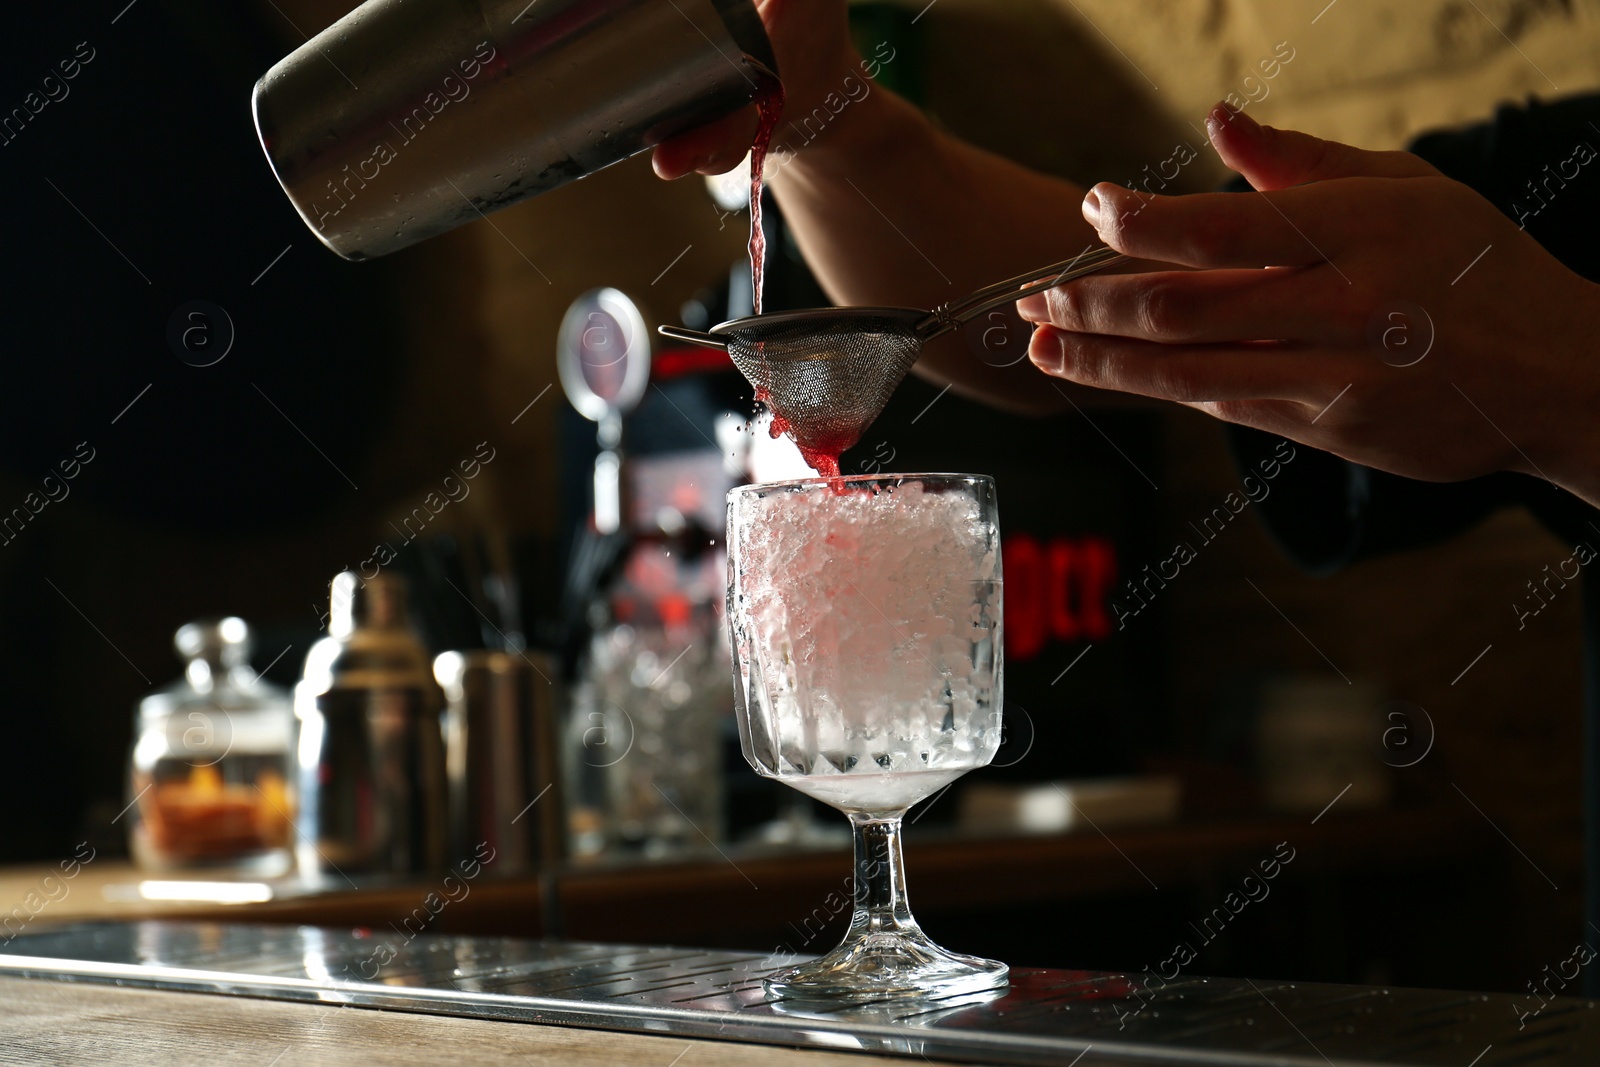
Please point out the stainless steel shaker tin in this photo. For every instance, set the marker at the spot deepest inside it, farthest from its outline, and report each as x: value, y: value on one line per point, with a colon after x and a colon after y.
x: 371, y: 755
x: 407, y: 118
x: 499, y: 731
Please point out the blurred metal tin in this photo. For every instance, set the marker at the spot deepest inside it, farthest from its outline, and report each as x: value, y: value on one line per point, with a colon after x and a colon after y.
x: 501, y: 759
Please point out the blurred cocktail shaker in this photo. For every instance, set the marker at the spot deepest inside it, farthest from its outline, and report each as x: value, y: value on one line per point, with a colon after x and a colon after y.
x: 407, y: 118
x: 371, y: 753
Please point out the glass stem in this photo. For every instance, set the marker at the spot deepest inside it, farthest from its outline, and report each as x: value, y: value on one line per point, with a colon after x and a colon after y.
x: 880, y: 879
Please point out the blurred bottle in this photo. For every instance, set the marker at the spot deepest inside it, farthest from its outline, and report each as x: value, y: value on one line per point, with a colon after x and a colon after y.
x: 642, y: 736
x: 371, y: 753
x: 643, y: 747
x: 211, y: 779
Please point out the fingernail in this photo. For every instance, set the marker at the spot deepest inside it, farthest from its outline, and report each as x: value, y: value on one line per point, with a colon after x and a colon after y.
x: 1048, y: 350
x: 1034, y: 307
x: 1223, y: 116
x: 1107, y: 202
x: 1091, y: 208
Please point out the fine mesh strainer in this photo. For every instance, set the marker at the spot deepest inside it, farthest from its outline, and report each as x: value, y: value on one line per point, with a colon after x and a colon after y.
x: 827, y: 373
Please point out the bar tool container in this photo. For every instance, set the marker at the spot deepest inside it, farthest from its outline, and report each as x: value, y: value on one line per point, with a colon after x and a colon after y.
x: 371, y: 751
x: 499, y: 731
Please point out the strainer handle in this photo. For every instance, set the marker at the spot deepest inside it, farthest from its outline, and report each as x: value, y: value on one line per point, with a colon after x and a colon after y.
x: 694, y: 337
x: 951, y: 315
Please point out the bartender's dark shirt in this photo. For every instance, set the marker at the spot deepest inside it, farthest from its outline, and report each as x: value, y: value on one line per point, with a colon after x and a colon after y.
x: 1326, y: 512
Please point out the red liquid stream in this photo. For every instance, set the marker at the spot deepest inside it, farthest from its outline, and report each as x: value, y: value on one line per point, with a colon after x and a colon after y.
x: 769, y: 107
x: 822, y: 456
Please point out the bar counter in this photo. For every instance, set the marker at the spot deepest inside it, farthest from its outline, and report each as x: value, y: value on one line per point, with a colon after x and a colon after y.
x: 595, y: 991
x: 50, y: 1022
x: 741, y: 894
x: 732, y: 897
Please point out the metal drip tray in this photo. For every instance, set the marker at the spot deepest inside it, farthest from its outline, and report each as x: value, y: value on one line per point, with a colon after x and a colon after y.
x: 1047, y: 1017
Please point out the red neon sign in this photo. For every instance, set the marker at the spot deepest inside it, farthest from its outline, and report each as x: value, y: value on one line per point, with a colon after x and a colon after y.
x: 1056, y: 591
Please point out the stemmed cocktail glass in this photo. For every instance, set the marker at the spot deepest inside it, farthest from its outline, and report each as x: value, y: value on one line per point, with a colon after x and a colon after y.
x: 865, y: 620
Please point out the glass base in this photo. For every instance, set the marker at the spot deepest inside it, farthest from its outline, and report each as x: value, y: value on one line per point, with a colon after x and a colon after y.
x: 885, y: 966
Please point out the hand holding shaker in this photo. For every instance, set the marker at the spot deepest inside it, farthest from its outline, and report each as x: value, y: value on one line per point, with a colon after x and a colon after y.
x: 407, y: 118
x: 373, y: 793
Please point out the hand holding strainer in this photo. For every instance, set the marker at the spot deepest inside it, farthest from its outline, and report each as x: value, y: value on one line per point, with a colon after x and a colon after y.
x: 828, y: 372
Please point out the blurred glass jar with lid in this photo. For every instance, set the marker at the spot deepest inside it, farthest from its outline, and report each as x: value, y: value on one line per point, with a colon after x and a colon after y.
x: 209, y: 777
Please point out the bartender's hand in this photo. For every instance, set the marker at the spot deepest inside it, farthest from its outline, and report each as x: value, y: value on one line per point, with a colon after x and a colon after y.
x: 811, y: 42
x: 1359, y: 302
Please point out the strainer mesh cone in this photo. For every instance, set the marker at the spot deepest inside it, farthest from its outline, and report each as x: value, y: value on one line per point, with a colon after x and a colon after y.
x: 826, y: 378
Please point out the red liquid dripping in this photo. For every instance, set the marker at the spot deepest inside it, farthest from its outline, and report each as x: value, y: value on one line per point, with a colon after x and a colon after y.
x: 821, y: 456
x: 825, y: 461
x: 769, y: 106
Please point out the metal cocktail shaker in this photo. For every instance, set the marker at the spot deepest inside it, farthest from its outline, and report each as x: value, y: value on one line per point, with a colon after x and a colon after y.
x: 371, y: 756
x: 500, y: 734
x: 407, y: 118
